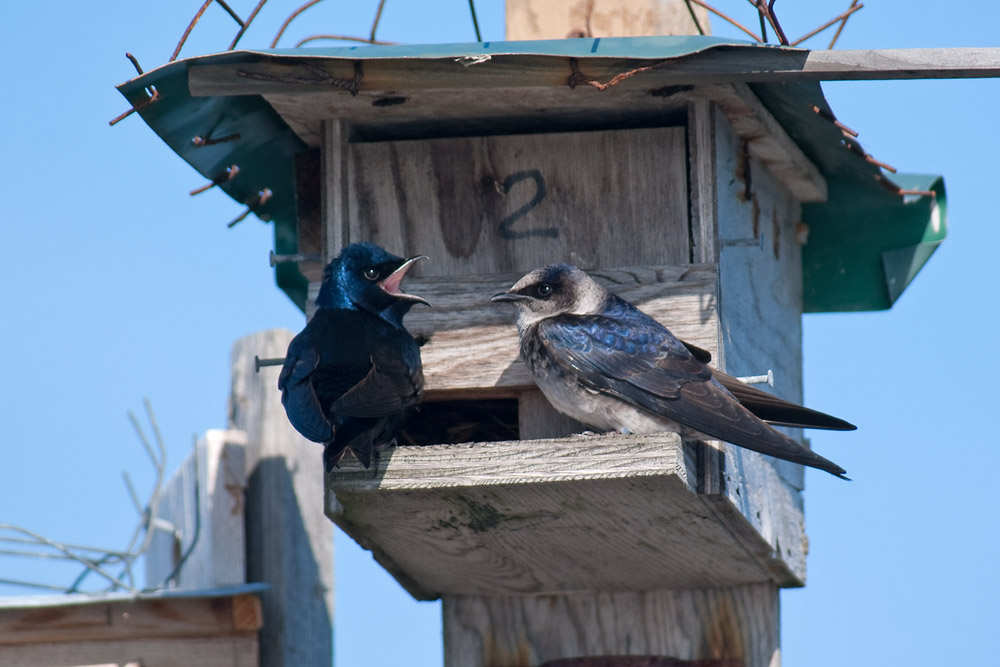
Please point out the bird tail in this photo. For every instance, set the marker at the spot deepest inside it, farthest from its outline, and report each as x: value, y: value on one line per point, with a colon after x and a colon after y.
x: 356, y: 435
x: 776, y: 411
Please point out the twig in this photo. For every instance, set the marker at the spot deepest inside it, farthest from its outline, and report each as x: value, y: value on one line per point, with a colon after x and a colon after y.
x: 842, y: 17
x: 694, y: 17
x: 291, y: 16
x: 734, y: 22
x: 344, y: 38
x: 378, y: 17
x: 475, y: 21
x: 190, y: 27
x: 836, y: 35
x: 246, y: 25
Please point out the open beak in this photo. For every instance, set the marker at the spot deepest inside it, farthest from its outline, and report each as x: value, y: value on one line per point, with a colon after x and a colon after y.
x: 510, y: 297
x: 392, y: 283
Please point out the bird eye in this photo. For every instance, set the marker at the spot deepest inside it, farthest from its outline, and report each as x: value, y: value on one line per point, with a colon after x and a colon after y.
x: 371, y: 273
x: 543, y: 290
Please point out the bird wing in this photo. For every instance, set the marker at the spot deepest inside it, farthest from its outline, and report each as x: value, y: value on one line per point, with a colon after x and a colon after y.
x: 298, y: 394
x: 640, y: 354
x: 643, y: 364
x: 394, y: 383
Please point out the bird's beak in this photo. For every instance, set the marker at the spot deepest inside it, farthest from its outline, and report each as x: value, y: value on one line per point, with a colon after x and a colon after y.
x: 507, y: 297
x: 392, y: 283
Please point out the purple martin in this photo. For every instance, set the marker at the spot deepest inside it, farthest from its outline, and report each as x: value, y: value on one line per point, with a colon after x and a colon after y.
x: 604, y: 362
x: 351, y: 376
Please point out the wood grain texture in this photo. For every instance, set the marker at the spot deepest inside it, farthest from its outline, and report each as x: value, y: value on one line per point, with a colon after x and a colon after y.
x: 760, y: 307
x: 289, y: 541
x: 768, y: 142
x: 219, y: 555
x: 301, y: 74
x: 501, y: 204
x: 738, y: 623
x: 472, y: 344
x: 559, y: 19
x: 162, y: 617
x: 597, y: 513
x: 333, y: 204
x: 236, y: 651
x: 541, y: 109
x: 701, y: 143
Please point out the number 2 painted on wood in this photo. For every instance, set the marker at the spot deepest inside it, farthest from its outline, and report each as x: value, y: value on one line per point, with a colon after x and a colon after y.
x: 540, y: 192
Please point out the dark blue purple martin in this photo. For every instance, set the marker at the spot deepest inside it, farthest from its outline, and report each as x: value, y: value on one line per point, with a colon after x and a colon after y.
x: 605, y: 363
x: 352, y: 375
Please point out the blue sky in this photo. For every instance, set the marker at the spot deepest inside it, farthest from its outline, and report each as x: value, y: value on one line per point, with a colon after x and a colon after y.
x: 118, y: 285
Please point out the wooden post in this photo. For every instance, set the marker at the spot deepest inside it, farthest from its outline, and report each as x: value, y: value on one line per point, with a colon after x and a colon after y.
x: 558, y: 19
x: 203, y: 501
x: 289, y: 541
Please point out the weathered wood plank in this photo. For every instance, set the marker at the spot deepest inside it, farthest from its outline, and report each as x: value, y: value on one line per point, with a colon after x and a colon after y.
x: 289, y: 542
x: 597, y: 513
x: 768, y: 142
x: 303, y: 74
x: 739, y: 623
x: 334, y: 189
x: 473, y: 344
x: 559, y: 19
x: 120, y: 620
x: 704, y: 219
x: 499, y: 204
x: 233, y: 651
x: 760, y: 305
x: 219, y: 556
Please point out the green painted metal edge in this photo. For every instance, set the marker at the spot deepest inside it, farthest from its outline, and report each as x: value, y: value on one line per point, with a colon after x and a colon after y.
x: 866, y: 246
x: 265, y: 152
x: 862, y: 244
x: 866, y: 243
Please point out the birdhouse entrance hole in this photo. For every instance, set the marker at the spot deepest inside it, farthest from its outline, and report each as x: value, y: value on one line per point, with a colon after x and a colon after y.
x: 453, y: 422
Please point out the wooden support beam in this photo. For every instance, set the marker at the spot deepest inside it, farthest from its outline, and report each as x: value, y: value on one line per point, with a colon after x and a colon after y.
x: 559, y: 19
x: 163, y: 631
x: 289, y: 542
x: 212, y: 515
x: 735, y: 626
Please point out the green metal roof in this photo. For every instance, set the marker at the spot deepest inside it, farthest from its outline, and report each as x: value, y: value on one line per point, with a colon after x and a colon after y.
x: 866, y: 243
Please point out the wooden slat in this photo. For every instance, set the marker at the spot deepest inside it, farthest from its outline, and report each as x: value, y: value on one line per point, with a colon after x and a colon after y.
x: 289, y: 541
x: 738, y: 623
x: 473, y: 343
x: 219, y: 555
x: 141, y: 618
x: 299, y: 74
x: 512, y: 203
x: 597, y: 513
x: 768, y: 142
x: 232, y: 651
x: 760, y: 302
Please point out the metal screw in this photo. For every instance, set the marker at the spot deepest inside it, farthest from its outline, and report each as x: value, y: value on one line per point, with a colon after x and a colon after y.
x: 759, y: 379
x: 297, y: 257
x: 226, y: 176
x: 253, y: 204
x: 258, y: 362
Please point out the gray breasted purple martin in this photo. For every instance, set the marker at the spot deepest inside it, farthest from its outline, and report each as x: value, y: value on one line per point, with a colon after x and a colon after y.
x: 605, y: 363
x: 351, y: 376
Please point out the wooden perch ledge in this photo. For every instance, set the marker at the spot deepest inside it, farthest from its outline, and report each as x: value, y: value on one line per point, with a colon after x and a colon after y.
x: 586, y: 513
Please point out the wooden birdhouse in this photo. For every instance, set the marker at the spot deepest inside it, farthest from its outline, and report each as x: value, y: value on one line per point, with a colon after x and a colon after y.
x: 703, y: 180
